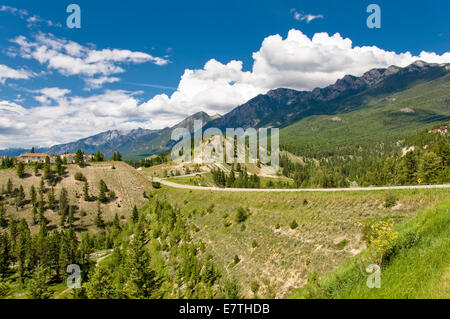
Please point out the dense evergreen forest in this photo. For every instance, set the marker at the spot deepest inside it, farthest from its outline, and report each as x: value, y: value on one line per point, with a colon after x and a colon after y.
x: 425, y: 158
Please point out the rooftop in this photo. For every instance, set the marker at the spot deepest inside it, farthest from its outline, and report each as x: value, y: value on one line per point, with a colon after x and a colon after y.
x: 33, y: 155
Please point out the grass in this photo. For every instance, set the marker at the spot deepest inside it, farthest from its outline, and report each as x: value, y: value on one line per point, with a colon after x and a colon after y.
x: 418, y: 268
x: 329, y: 230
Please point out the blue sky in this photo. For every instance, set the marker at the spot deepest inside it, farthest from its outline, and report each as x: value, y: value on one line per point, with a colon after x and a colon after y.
x: 123, y: 69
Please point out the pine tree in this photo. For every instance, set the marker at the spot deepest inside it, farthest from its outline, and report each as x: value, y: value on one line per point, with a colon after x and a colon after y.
x: 47, y: 170
x: 99, y: 157
x: 86, y: 196
x: 141, y: 280
x: 3, y: 220
x: 71, y: 217
x: 9, y: 187
x: 442, y: 149
x: 79, y: 158
x: 38, y: 287
x: 59, y: 166
x: 230, y: 289
x: 20, y: 197
x: 135, y: 215
x: 101, y: 286
x: 64, y: 257
x: 103, y: 190
x: 62, y: 220
x: 20, y: 169
x: 5, y: 254
x: 51, y: 198
x: 116, y: 221
x: 231, y: 178
x: 22, y: 248
x: 34, y: 215
x: 408, y: 169
x: 41, y: 208
x: 43, y: 230
x: 41, y: 188
x: 63, y: 203
x: 98, y: 218
x: 429, y: 167
x: 33, y: 195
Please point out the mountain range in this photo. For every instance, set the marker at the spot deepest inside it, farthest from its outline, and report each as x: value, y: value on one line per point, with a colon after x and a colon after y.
x: 277, y: 108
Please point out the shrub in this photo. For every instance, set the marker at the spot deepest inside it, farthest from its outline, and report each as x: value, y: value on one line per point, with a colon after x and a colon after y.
x: 80, y: 177
x: 407, y: 241
x: 341, y: 245
x: 390, y: 200
x: 293, y: 224
x: 156, y: 185
x: 241, y: 215
x: 380, y: 240
x: 254, y: 244
x: 210, y: 209
x: 236, y: 261
x: 254, y: 286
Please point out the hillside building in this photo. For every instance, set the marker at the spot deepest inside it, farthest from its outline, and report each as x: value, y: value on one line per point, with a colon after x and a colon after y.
x: 27, y: 158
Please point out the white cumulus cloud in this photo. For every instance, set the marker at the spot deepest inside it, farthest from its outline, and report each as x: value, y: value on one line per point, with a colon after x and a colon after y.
x: 9, y: 73
x: 69, y: 58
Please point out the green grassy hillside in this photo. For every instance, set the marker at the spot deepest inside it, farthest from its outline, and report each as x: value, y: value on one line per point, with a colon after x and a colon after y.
x: 417, y: 266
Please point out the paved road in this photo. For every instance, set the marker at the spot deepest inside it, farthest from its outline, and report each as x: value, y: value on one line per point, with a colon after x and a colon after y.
x: 351, y: 189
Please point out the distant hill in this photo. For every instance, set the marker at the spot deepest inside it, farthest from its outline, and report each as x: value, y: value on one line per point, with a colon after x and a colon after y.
x: 107, y: 142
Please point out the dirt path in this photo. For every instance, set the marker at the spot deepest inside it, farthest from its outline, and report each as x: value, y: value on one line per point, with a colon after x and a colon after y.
x: 101, y: 256
x: 350, y: 189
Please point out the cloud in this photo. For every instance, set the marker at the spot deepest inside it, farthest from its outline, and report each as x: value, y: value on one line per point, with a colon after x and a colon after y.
x: 51, y: 94
x: 14, y: 11
x: 70, y: 58
x: 32, y: 20
x: 305, y: 17
x: 8, y: 73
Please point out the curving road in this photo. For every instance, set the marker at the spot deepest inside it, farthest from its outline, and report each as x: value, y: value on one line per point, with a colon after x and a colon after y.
x: 351, y: 189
